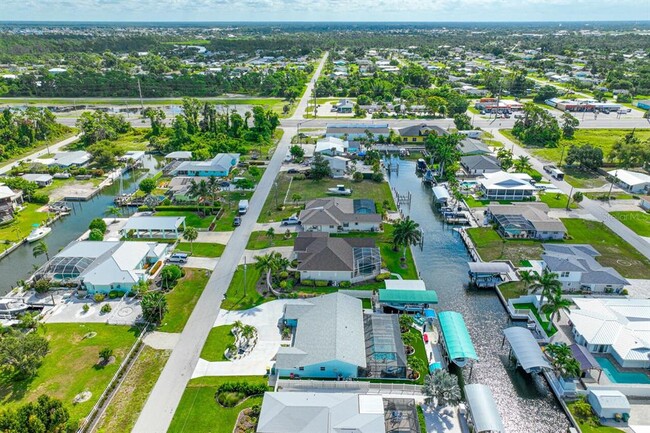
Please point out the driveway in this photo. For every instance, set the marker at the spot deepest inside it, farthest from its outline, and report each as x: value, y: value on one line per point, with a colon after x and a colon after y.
x: 208, y: 263
x: 249, y: 255
x: 265, y: 319
x: 161, y: 340
x: 214, y: 237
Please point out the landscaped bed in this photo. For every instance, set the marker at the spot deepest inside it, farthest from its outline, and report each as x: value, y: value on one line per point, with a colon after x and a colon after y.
x: 543, y: 320
x: 182, y: 299
x: 218, y: 340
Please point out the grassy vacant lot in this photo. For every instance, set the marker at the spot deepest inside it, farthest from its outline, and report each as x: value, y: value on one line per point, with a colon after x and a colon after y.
x: 200, y: 249
x: 236, y: 299
x: 612, y: 196
x: 21, y: 225
x: 215, y: 346
x: 259, y: 240
x: 637, y: 221
x: 557, y: 201
x: 491, y: 246
x: 615, y: 252
x: 71, y: 366
x: 122, y: 413
x: 199, y: 412
x: 182, y: 299
x: 583, y: 179
x: 192, y: 219
x: 225, y: 221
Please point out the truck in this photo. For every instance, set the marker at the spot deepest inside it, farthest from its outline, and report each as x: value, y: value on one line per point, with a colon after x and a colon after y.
x: 554, y: 172
x: 243, y: 207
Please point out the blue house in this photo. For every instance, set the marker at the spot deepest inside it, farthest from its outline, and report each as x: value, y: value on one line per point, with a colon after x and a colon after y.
x: 219, y: 166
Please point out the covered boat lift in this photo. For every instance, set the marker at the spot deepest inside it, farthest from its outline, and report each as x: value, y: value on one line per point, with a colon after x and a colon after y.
x: 440, y: 194
x: 456, y: 339
x: 408, y: 300
x: 488, y: 274
x: 524, y: 347
x: 483, y: 413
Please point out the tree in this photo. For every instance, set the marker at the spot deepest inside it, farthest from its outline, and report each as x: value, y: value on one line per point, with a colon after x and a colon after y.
x: 463, y: 122
x: 505, y: 158
x: 537, y: 127
x: 527, y: 277
x: 147, y: 185
x: 522, y: 164
x: 582, y: 410
x: 444, y: 150
x: 416, y: 364
x: 587, y: 156
x: 190, y: 234
x: 270, y: 233
x: 21, y: 354
x: 406, y: 232
x: 105, y: 354
x: 405, y: 322
x: 244, y: 183
x: 41, y: 248
x: 154, y: 307
x: 442, y: 387
x: 115, y: 212
x: 545, y: 93
x: 555, y: 304
x: 95, y: 235
x: 99, y: 224
x: 563, y: 360
x: 546, y: 284
x: 569, y: 125
x: 578, y: 196
x: 45, y: 415
x: 320, y: 167
x: 297, y: 152
x: 629, y: 151
x: 169, y: 275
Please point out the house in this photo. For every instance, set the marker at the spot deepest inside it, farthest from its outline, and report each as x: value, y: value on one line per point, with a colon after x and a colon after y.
x: 153, y: 227
x: 332, y: 146
x: 353, y: 131
x: 334, y: 215
x: 480, y: 164
x: 645, y: 202
x: 338, y: 166
x: 321, y: 412
x: 577, y: 268
x: 343, y: 106
x: 103, y: 266
x: 505, y: 186
x: 179, y: 155
x: 77, y: 158
x: 609, y: 404
x: 321, y: 257
x: 39, y: 179
x: 631, y: 181
x: 525, y: 220
x: 617, y: 326
x: 219, y: 166
x: 10, y: 200
x: 419, y: 133
x: 471, y: 146
x: 179, y: 189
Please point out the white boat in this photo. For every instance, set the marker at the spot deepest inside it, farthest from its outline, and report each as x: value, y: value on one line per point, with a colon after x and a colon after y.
x: 38, y: 233
x: 339, y: 190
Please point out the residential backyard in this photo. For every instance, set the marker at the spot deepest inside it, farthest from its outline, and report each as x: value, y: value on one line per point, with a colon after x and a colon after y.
x: 72, y: 366
x: 260, y: 240
x: 20, y: 227
x: 637, y: 221
x: 218, y: 340
x: 192, y: 218
x: 491, y: 246
x: 182, y: 299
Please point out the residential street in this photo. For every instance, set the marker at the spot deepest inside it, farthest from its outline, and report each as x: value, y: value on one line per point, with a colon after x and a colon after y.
x: 53, y: 149
x: 304, y: 101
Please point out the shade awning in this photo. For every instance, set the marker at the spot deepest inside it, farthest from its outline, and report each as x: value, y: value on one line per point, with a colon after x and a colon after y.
x: 429, y: 313
x: 489, y: 267
x: 405, y: 285
x: 408, y: 296
x: 483, y: 409
x: 457, y: 340
x: 526, y: 350
x: 584, y: 357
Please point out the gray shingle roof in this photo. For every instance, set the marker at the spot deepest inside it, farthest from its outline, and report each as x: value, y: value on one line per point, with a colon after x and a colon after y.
x: 336, y: 211
x: 468, y: 146
x: 480, y: 162
x: 316, y: 251
x: 580, y: 258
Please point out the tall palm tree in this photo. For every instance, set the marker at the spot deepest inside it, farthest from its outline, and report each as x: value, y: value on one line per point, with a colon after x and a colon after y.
x: 41, y: 248
x: 190, y: 234
x: 546, y: 284
x: 267, y: 263
x: 405, y: 233
x: 563, y: 360
x: 527, y: 277
x: 198, y: 190
x: 442, y: 387
x: 270, y: 234
x: 522, y: 164
x: 115, y: 212
x: 555, y: 304
x: 231, y: 349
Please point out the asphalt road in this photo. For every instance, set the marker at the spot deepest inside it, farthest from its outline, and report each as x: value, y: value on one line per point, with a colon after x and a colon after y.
x: 301, y: 109
x: 52, y: 149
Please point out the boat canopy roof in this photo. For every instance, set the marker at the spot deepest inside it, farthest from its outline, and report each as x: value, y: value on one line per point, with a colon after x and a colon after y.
x: 457, y: 340
x: 440, y: 193
x: 489, y: 268
x: 526, y: 350
x: 483, y: 409
x: 408, y: 296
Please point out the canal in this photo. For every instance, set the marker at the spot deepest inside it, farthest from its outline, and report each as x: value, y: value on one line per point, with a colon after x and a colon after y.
x: 525, y: 402
x: 20, y: 264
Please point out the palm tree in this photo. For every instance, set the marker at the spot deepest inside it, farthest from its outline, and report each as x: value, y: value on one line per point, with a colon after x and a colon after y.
x: 563, y: 359
x: 546, y: 284
x: 247, y: 333
x: 555, y: 304
x: 198, y: 190
x: 522, y: 164
x: 238, y: 325
x: 213, y: 187
x: 405, y: 233
x: 270, y: 234
x: 41, y: 248
x: 190, y: 234
x: 115, y: 212
x: 231, y: 349
x: 416, y: 365
x: 527, y: 277
x: 267, y: 263
x: 442, y: 387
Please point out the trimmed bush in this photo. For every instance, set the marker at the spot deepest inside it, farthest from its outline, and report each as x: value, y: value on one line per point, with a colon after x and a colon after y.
x: 39, y: 198
x: 344, y: 284
x: 42, y: 285
x: 308, y: 283
x: 383, y: 276
x: 283, y: 284
x: 321, y: 283
x: 99, y: 297
x: 99, y: 224
x: 113, y: 294
x: 106, y: 308
x: 284, y: 275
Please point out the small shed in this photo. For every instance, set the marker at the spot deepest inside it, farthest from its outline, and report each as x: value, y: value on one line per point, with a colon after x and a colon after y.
x: 609, y: 403
x: 483, y: 410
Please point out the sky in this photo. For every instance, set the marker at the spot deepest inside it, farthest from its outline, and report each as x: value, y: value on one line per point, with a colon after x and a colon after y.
x: 324, y: 10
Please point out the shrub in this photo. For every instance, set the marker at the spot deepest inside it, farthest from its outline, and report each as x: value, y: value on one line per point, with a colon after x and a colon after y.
x: 96, y: 235
x: 283, y: 284
x: 624, y: 292
x: 106, y: 308
x: 344, y: 284
x: 99, y: 224
x: 42, y: 285
x: 114, y: 294
x: 357, y: 176
x: 40, y: 198
x: 378, y: 177
x: 321, y: 283
x: 166, y: 202
x: 230, y: 399
x: 245, y: 388
x: 99, y: 297
x: 85, y: 307
x: 383, y: 276
x: 308, y: 283
x: 284, y: 275
x: 170, y: 274
x: 299, y: 177
x: 106, y: 353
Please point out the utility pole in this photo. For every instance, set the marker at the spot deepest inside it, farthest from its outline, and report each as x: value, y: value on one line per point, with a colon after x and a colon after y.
x: 140, y: 92
x: 568, y: 201
x: 276, y: 194
x: 245, y: 276
x: 614, y: 179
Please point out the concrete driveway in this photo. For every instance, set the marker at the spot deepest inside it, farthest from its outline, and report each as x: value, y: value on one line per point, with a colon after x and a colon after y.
x: 214, y: 237
x: 208, y: 263
x: 249, y: 255
x: 265, y: 319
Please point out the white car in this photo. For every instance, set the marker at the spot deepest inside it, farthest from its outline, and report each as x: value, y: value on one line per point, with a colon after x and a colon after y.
x: 291, y: 221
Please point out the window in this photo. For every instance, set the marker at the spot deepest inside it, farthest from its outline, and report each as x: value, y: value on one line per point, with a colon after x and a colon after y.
x: 564, y: 275
x: 322, y: 369
x: 301, y: 368
x: 414, y: 139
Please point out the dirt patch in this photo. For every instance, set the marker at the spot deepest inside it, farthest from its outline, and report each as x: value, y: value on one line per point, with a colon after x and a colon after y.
x: 82, y: 397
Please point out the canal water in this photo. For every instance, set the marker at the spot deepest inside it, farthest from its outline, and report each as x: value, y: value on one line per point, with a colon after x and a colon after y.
x: 525, y: 402
x: 20, y: 264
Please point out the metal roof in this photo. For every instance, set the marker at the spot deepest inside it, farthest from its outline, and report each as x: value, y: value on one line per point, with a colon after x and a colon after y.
x: 405, y: 285
x: 489, y: 267
x: 440, y: 193
x: 483, y: 409
x: 526, y: 350
x: 154, y: 223
x: 408, y: 296
x: 457, y: 340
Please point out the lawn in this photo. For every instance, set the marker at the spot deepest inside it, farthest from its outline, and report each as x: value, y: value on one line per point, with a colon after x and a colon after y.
x: 230, y: 211
x: 71, y: 366
x: 557, y: 201
x: 615, y: 252
x: 199, y: 412
x: 215, y: 346
x: 259, y: 240
x: 513, y: 289
x: 240, y: 296
x: 420, y: 352
x: 192, y: 219
x: 201, y: 249
x: 590, y: 427
x: 491, y: 246
x: 613, y: 196
x: 182, y: 299
x: 20, y: 227
x: 122, y: 413
x: 583, y: 179
x: 542, y: 320
x: 473, y: 202
x: 637, y: 221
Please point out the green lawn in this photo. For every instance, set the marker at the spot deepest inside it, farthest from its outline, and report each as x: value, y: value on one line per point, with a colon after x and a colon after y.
x: 513, y: 289
x: 420, y: 352
x: 20, y: 227
x: 270, y: 213
x: 615, y: 252
x: 590, y: 426
x: 122, y: 413
x: 557, y: 201
x: 71, y: 366
x: 491, y: 246
x: 230, y: 211
x: 542, y: 320
x: 235, y: 298
x: 182, y: 299
x: 612, y: 196
x: 259, y: 240
x: 215, y: 346
x: 637, y: 221
x: 583, y: 179
x: 473, y: 202
x: 199, y: 412
x: 201, y: 249
x: 192, y: 219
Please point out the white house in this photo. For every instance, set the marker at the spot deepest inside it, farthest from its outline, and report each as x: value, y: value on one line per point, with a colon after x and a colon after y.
x: 332, y: 146
x: 505, y: 186
x: 631, y: 181
x: 334, y: 215
x: 338, y: 165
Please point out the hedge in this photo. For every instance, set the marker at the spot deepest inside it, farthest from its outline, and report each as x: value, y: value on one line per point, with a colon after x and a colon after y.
x: 383, y: 276
x: 243, y: 387
x: 321, y: 283
x: 309, y: 283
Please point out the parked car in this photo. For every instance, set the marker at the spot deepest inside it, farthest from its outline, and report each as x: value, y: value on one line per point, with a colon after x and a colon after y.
x: 291, y: 221
x: 237, y: 222
x: 178, y: 258
x: 224, y: 184
x: 293, y: 171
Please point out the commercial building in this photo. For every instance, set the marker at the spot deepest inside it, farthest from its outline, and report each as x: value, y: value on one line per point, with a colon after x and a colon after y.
x: 352, y: 131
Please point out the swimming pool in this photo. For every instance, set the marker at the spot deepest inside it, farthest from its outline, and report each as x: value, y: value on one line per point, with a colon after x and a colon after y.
x: 621, y: 377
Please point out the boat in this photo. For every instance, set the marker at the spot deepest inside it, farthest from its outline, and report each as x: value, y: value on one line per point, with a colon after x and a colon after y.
x: 421, y: 166
x: 11, y: 308
x: 59, y: 207
x: 428, y: 177
x: 339, y: 190
x: 38, y: 233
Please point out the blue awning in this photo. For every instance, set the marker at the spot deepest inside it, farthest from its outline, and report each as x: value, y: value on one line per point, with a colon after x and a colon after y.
x: 435, y: 366
x: 429, y: 313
